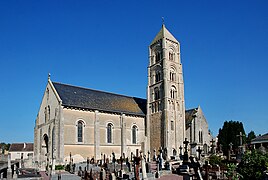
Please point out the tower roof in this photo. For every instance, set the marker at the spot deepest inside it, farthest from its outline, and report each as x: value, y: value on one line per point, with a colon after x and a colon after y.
x: 164, y: 33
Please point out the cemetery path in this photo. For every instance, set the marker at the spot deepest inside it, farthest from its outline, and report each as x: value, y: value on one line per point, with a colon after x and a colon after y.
x: 171, y: 177
x: 153, y: 166
x: 167, y: 176
x: 44, y: 175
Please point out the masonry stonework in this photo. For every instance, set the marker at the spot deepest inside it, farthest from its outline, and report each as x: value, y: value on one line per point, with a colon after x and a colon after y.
x: 86, y: 123
x: 165, y: 94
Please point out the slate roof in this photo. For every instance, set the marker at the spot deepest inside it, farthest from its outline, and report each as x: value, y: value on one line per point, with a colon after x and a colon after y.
x: 20, y: 147
x: 189, y: 115
x: 259, y: 139
x: 79, y: 97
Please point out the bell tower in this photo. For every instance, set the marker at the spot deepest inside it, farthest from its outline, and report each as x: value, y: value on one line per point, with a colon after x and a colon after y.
x: 165, y: 94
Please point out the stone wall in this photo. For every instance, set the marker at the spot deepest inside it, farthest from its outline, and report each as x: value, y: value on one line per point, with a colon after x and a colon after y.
x: 95, y: 133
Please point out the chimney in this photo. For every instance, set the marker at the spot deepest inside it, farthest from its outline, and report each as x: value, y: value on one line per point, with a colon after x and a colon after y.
x: 24, y: 145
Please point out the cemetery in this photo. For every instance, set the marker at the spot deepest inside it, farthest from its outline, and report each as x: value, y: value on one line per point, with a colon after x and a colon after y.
x: 140, y: 165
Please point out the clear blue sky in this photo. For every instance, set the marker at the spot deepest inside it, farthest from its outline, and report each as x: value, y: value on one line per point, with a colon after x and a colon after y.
x: 104, y: 45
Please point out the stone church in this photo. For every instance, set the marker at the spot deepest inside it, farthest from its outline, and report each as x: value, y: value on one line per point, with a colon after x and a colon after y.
x: 197, y: 131
x: 85, y: 123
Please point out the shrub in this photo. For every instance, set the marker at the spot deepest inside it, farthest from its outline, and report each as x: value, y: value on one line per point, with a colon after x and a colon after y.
x: 59, y: 167
x: 253, y: 165
x: 214, y: 159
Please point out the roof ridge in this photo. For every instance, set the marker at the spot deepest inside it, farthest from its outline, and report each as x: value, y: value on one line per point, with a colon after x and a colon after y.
x: 96, y: 90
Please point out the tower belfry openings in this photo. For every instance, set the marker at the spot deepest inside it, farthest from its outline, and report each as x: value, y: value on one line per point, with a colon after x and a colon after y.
x: 165, y: 93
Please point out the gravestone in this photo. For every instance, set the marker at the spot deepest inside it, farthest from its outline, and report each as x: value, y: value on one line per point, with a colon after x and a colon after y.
x: 181, y: 157
x: 230, y: 151
x: 199, y: 150
x: 212, y: 146
x: 205, y: 148
x: 101, y: 161
x: 148, y: 167
x: 157, y: 174
x: 148, y: 158
x: 136, y: 167
x: 128, y: 165
x: 174, y: 152
x: 131, y: 157
x: 15, y: 175
x: 164, y: 154
x: 160, y: 159
x: 154, y: 157
x: 167, y: 166
x: 144, y: 174
x: 193, y: 148
x: 185, y: 156
x: 112, y: 176
x: 206, y: 166
x: 80, y: 172
x: 241, y: 149
x: 9, y: 170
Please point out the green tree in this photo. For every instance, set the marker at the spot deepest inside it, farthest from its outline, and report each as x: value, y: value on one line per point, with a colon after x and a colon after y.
x: 253, y: 165
x: 229, y: 134
x: 4, y: 147
x: 251, y: 135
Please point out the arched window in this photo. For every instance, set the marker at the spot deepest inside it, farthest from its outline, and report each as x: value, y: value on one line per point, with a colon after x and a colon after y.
x: 45, y: 112
x: 172, y: 76
x: 45, y: 142
x: 109, y: 132
x: 201, y: 137
x: 173, y: 92
x: 158, y: 56
x: 80, y: 125
x: 48, y: 112
x: 171, y: 56
x: 134, y: 134
x: 156, y: 94
x: 157, y: 77
x: 153, y: 108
